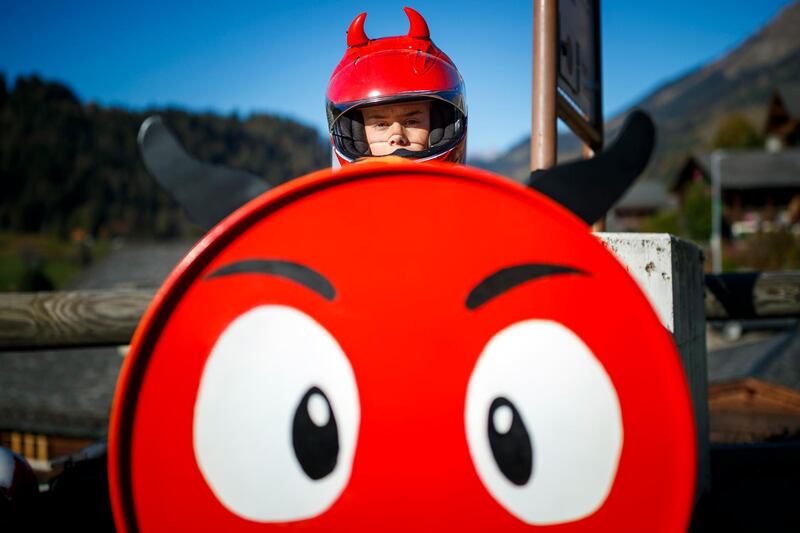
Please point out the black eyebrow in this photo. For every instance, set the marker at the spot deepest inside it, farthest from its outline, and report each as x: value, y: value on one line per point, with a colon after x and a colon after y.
x: 286, y: 269
x: 507, y: 278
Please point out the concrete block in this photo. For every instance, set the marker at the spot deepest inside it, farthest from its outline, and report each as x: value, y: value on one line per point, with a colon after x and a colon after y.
x: 670, y: 272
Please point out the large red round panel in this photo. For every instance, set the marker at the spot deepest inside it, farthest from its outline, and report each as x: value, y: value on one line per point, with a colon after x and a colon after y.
x: 395, y: 348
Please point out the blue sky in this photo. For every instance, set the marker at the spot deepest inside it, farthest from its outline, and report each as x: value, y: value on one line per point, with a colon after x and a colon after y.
x: 256, y: 56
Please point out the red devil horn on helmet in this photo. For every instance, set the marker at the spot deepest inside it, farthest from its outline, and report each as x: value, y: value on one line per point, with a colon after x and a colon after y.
x: 418, y: 28
x: 355, y: 33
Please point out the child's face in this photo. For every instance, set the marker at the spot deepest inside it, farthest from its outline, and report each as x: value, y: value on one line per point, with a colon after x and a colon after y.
x: 394, y: 126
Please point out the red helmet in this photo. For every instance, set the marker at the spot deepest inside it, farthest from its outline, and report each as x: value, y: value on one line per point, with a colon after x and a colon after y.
x: 402, y: 69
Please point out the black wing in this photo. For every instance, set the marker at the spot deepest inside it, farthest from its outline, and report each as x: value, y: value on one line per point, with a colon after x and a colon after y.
x: 590, y: 187
x: 208, y: 193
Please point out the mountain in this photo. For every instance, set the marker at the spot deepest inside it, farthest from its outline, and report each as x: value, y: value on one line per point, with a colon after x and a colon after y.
x: 688, y: 109
x: 66, y: 165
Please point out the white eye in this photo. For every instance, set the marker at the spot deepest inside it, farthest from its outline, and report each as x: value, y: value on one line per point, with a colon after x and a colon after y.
x: 543, y: 423
x: 276, y: 416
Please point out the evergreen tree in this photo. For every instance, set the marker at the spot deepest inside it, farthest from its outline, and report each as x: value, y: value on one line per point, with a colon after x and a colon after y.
x: 737, y: 132
x: 65, y: 165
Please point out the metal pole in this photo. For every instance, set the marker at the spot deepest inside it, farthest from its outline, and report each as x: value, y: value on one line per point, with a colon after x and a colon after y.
x: 716, y: 211
x: 545, y: 53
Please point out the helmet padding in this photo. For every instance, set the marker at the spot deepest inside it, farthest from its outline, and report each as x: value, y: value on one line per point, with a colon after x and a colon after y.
x: 446, y: 126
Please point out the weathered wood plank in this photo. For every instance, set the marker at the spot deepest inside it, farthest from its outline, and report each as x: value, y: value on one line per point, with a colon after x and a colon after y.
x: 750, y: 295
x: 70, y: 319
x: 107, y: 318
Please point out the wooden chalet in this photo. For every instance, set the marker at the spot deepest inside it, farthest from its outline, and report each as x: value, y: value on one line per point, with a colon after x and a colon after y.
x: 749, y: 177
x: 56, y: 402
x: 643, y: 200
x: 760, y: 185
x: 782, y: 126
x: 760, y: 188
x: 695, y: 168
x: 754, y: 389
x: 752, y: 410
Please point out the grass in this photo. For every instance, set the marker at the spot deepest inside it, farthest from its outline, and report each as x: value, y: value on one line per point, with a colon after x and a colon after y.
x: 57, y: 259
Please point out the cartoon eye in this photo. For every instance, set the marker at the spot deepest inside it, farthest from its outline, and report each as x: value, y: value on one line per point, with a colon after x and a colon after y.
x: 510, y: 441
x: 543, y: 423
x: 315, y: 437
x: 276, y: 416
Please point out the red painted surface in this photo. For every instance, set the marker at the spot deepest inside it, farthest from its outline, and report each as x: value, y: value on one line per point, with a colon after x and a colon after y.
x: 403, y: 64
x: 403, y: 245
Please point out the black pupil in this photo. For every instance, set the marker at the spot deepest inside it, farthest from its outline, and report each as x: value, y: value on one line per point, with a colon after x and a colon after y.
x: 510, y: 442
x: 315, y: 437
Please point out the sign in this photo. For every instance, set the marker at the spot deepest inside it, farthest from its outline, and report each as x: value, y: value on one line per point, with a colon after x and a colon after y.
x: 397, y: 348
x: 579, y: 89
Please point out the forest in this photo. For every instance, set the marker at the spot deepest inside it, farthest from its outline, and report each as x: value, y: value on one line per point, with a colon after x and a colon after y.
x: 70, y: 167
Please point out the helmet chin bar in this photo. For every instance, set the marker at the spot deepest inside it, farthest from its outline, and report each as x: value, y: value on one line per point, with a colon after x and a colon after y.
x: 413, y: 154
x: 420, y: 154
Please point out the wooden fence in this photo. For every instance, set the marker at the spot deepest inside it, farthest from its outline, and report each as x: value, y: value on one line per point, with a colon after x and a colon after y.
x: 38, y: 320
x: 47, y: 320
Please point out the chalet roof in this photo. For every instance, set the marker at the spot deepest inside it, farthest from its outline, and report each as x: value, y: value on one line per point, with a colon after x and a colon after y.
x: 790, y: 398
x: 703, y: 162
x: 760, y: 169
x: 645, y: 194
x: 790, y: 96
x: 752, y: 410
x: 69, y: 392
x: 775, y: 359
x: 64, y: 392
x: 747, y: 170
x: 686, y: 172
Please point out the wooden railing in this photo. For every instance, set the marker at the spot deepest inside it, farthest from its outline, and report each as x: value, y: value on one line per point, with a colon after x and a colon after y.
x: 36, y: 320
x: 750, y: 295
x: 107, y: 318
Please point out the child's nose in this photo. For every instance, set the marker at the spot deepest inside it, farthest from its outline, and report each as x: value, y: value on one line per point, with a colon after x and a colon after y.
x: 396, y: 128
x: 397, y: 135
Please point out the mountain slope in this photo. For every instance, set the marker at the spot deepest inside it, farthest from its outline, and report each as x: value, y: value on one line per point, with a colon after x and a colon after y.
x: 687, y: 110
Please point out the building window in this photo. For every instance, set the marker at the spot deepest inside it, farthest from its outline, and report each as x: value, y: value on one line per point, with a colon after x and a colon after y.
x: 16, y: 442
x: 41, y: 448
x: 29, y: 445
